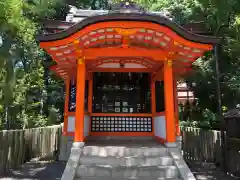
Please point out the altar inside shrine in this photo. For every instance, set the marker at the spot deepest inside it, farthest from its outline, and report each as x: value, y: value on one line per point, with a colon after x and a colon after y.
x: 120, y: 71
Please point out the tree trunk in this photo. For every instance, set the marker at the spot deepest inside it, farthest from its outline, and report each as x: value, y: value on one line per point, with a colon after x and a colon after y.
x: 46, y: 83
x: 6, y: 118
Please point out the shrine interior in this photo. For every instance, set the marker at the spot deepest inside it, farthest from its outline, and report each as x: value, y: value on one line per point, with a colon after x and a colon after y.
x: 120, y: 92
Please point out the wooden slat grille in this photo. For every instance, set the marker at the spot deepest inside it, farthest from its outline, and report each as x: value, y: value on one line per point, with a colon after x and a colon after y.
x: 121, y: 124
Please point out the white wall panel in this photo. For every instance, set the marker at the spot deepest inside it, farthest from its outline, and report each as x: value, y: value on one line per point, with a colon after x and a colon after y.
x: 133, y: 65
x: 71, y: 124
x: 160, y: 127
x: 86, y: 125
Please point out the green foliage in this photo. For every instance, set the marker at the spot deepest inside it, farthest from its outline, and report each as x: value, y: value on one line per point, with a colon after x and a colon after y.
x: 196, y: 124
x: 22, y: 85
x: 220, y: 18
x: 55, y: 116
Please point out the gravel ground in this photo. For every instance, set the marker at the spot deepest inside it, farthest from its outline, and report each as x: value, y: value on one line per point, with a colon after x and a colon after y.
x: 36, y: 170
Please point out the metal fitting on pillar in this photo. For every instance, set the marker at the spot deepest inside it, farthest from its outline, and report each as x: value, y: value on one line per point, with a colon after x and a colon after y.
x: 81, y: 60
x: 169, y: 62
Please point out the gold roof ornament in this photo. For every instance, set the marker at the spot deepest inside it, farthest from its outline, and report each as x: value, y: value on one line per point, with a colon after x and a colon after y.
x: 170, y: 63
x: 81, y: 60
x: 125, y: 32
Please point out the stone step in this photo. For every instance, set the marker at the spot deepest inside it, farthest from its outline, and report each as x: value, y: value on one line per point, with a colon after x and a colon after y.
x: 123, y: 151
x: 121, y: 138
x: 112, y: 178
x: 127, y: 161
x: 127, y: 172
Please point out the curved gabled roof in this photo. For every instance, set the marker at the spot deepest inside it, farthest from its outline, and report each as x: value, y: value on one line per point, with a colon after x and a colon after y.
x: 234, y: 113
x: 140, y: 17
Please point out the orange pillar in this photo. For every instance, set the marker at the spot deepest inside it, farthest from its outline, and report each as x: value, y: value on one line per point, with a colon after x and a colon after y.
x: 79, y: 117
x: 65, y: 124
x: 169, y: 104
x: 176, y: 108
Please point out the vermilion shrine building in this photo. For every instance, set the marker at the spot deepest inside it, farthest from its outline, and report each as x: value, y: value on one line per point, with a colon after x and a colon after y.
x: 120, y: 70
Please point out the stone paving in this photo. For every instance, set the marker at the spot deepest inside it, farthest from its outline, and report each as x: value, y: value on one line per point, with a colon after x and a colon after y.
x: 42, y: 170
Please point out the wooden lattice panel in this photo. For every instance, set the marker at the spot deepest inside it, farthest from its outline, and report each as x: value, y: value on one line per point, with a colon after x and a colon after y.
x: 121, y: 124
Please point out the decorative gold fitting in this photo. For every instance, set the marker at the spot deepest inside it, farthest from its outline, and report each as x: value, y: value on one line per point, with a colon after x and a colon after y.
x: 169, y: 63
x: 76, y: 42
x: 176, y: 43
x: 125, y: 32
x: 171, y: 55
x: 81, y: 60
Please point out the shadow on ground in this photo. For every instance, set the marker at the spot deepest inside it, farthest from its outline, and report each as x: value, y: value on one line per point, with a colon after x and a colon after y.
x: 36, y: 170
x: 207, y: 171
x: 42, y: 170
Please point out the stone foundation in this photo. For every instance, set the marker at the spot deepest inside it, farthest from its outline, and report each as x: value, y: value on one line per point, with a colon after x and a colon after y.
x: 65, y: 148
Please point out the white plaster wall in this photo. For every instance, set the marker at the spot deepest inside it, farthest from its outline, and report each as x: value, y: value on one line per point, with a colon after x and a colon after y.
x: 86, y: 125
x: 133, y: 65
x: 65, y: 147
x: 110, y: 65
x: 160, y: 126
x: 71, y: 124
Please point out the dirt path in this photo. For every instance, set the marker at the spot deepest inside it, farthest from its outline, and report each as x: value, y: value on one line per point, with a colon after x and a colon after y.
x: 36, y: 170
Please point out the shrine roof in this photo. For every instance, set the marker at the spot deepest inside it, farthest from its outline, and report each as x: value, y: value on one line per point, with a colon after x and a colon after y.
x: 124, y: 36
x: 234, y: 113
x: 139, y: 17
